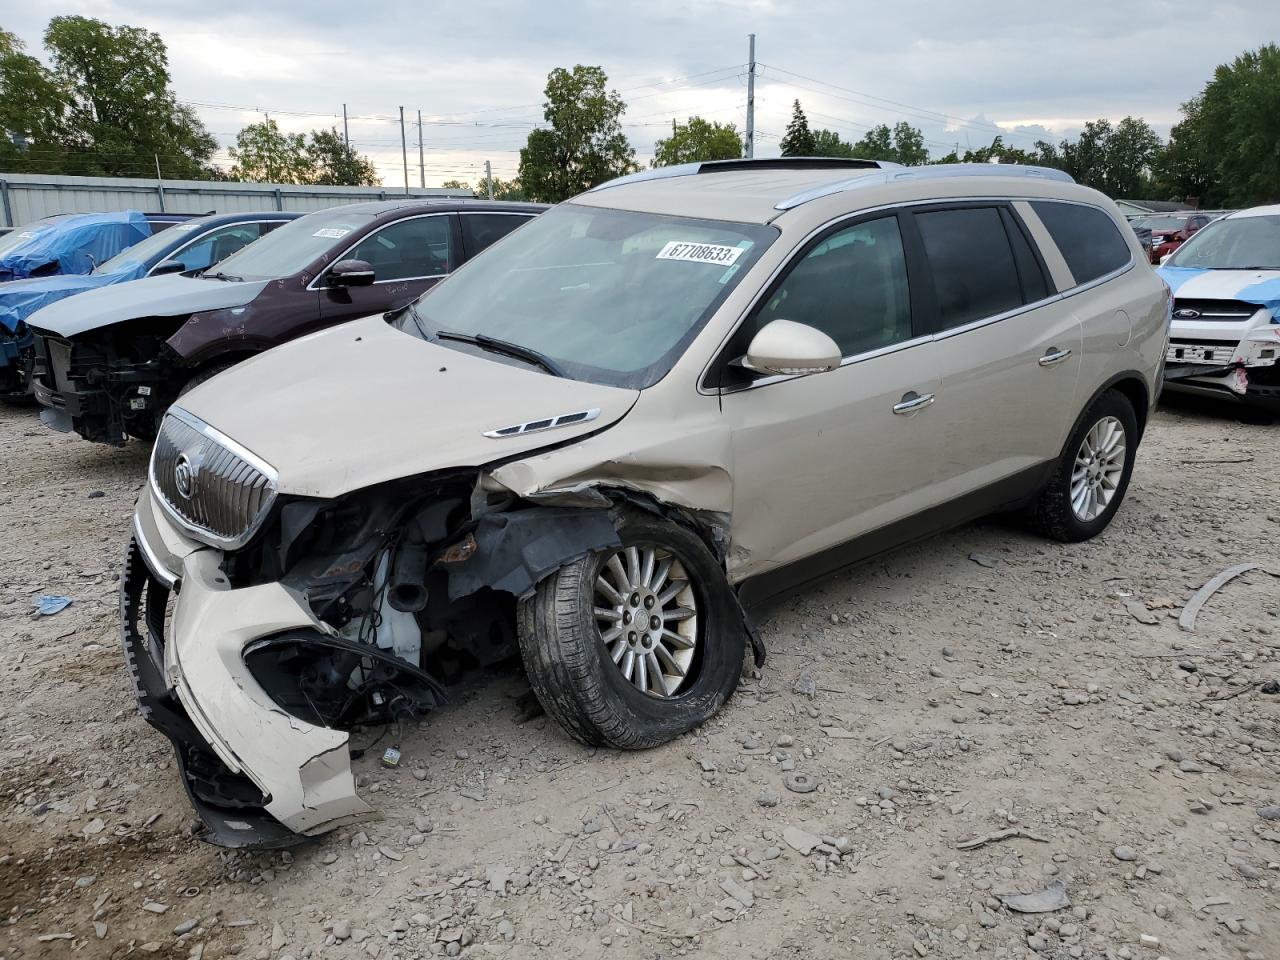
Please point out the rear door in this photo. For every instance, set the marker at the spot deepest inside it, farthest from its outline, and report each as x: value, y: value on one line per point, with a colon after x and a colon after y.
x: 408, y: 256
x: 822, y: 459
x: 1009, y: 347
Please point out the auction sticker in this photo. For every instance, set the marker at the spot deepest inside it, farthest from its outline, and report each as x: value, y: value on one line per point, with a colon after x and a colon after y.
x: 331, y: 233
x: 700, y: 253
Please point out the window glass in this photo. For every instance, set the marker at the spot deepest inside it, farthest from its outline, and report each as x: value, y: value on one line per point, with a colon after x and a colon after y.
x: 974, y: 275
x: 1238, y: 243
x: 852, y: 286
x: 482, y: 230
x: 296, y: 245
x: 1088, y: 239
x: 217, y: 246
x: 613, y: 296
x: 417, y: 247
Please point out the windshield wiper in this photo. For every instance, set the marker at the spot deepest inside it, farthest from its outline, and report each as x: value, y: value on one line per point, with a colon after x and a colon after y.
x: 225, y: 276
x: 495, y: 345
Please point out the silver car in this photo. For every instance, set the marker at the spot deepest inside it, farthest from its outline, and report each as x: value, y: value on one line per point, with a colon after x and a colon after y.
x: 606, y: 442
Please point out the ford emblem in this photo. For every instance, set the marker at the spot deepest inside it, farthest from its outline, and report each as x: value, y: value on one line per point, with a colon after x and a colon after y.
x: 184, y: 476
x: 1186, y: 313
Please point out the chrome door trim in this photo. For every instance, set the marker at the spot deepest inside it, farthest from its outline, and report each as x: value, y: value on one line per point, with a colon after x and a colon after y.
x: 906, y: 407
x: 1050, y: 359
x: 313, y: 285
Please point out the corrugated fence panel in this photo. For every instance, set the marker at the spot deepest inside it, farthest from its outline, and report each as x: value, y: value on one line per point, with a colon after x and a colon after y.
x: 26, y: 197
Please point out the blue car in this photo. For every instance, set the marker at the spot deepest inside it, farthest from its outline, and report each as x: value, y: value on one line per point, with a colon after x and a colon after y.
x: 76, y: 242
x: 187, y: 247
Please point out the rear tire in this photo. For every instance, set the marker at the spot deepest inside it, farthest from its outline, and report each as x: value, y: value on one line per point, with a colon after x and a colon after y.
x: 573, y: 671
x: 1091, y: 470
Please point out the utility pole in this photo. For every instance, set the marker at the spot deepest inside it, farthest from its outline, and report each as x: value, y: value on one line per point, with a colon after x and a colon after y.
x: 674, y: 131
x: 488, y: 178
x: 266, y: 123
x: 404, y: 152
x: 346, y: 138
x: 159, y: 182
x: 751, y: 95
x: 422, y: 167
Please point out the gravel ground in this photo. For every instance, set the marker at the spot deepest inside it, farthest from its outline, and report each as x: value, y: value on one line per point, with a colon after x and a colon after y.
x: 983, y: 684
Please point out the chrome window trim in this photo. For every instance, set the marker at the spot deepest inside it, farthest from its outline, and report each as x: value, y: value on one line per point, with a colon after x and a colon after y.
x: 200, y: 533
x: 163, y: 576
x: 315, y: 284
x: 192, y: 242
x: 915, y: 341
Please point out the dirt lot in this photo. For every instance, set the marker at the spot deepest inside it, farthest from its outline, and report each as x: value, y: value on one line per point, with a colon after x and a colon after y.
x: 982, y: 684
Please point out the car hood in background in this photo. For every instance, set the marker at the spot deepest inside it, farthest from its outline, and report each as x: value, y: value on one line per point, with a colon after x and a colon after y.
x: 364, y: 403
x: 1252, y: 286
x: 19, y: 299
x: 167, y: 296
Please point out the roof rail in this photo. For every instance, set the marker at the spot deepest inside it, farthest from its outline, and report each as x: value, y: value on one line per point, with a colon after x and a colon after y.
x: 744, y: 163
x: 936, y: 171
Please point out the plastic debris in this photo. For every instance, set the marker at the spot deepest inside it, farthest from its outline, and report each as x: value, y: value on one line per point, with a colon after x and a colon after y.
x: 1053, y: 897
x: 1187, y: 621
x: 48, y: 605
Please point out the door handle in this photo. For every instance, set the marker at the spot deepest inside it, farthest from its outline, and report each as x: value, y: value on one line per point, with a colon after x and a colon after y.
x: 1053, y: 355
x: 911, y: 402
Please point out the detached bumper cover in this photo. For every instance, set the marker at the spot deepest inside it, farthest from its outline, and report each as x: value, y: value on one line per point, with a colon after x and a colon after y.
x: 256, y: 775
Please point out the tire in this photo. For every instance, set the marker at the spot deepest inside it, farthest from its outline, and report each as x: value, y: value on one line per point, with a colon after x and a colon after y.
x: 573, y: 672
x: 1054, y: 514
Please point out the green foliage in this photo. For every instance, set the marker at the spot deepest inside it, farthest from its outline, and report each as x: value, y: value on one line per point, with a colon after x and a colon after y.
x: 1118, y: 160
x: 903, y: 144
x: 502, y: 189
x: 105, y: 107
x: 1226, y: 150
x: 584, y: 145
x: 827, y: 143
x: 798, y: 141
x: 334, y: 162
x: 264, y: 154
x: 698, y: 140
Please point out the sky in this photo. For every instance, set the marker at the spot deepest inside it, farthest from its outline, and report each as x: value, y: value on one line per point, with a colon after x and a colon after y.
x: 963, y: 72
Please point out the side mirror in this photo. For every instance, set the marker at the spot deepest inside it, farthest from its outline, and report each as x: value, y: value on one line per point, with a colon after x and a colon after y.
x: 351, y: 273
x: 168, y: 266
x: 792, y: 349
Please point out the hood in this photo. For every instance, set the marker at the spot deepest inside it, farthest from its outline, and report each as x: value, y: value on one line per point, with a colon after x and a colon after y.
x: 169, y: 296
x: 19, y: 299
x: 364, y: 403
x: 1252, y: 286
x: 75, y: 243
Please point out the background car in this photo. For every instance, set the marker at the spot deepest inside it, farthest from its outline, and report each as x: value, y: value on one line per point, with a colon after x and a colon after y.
x: 77, y: 242
x: 1169, y: 231
x: 185, y: 247
x: 1224, y: 339
x: 109, y: 363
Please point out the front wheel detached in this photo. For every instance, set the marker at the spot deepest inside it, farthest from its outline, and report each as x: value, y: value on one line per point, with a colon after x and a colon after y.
x: 632, y: 647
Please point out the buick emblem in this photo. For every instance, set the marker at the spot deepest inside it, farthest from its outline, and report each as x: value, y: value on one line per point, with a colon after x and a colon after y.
x: 1186, y: 313
x: 184, y: 476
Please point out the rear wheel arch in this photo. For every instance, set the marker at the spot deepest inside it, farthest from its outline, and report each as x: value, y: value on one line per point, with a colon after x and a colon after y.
x: 1132, y: 387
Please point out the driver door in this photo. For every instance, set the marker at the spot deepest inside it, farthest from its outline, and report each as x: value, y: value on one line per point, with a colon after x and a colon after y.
x: 408, y: 257
x: 822, y: 459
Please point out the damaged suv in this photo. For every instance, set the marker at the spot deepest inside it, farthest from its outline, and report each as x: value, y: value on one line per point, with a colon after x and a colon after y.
x: 606, y: 442
x: 1225, y: 337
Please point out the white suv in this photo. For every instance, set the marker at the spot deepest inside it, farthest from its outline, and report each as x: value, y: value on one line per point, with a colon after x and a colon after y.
x: 607, y: 440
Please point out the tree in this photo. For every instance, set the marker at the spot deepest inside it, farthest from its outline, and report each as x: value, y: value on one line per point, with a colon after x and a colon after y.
x: 1118, y: 160
x: 798, y: 140
x: 120, y: 114
x: 31, y: 110
x: 903, y: 144
x: 333, y: 162
x: 263, y: 154
x: 584, y: 144
x: 502, y: 189
x: 698, y: 140
x: 1226, y: 150
x: 827, y: 143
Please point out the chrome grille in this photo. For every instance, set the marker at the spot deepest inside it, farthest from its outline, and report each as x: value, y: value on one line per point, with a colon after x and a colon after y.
x: 218, y: 491
x: 1225, y: 310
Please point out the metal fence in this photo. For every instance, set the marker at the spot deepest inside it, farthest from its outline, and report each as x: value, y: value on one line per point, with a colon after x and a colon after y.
x: 26, y: 197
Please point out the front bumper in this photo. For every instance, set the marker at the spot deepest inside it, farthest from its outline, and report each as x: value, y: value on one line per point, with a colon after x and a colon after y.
x: 1231, y: 360
x: 256, y: 775
x: 79, y: 395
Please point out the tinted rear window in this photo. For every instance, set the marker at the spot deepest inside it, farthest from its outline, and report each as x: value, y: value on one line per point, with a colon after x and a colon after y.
x: 1089, y: 240
x: 974, y: 274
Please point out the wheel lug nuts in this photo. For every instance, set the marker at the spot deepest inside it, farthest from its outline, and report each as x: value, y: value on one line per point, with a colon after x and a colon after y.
x: 655, y: 623
x: 635, y: 599
x: 626, y: 618
x: 648, y: 602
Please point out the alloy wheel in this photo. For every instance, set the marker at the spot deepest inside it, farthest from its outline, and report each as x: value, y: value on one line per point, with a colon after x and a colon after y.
x: 1099, y: 464
x: 647, y: 615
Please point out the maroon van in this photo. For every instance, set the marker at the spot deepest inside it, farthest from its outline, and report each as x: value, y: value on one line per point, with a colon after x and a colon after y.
x: 109, y: 362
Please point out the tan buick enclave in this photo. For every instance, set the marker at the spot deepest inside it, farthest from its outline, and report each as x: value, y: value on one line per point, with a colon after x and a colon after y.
x: 608, y: 440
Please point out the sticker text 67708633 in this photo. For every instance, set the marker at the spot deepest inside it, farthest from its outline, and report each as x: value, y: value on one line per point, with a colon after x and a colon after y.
x: 712, y: 253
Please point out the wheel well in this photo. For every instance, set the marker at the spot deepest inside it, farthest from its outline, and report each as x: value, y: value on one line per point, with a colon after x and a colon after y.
x: 1135, y: 391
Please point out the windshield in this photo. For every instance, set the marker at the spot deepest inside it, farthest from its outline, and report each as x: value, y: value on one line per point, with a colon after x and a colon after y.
x: 144, y: 250
x: 1161, y: 223
x: 609, y: 296
x: 1239, y: 243
x: 292, y: 247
